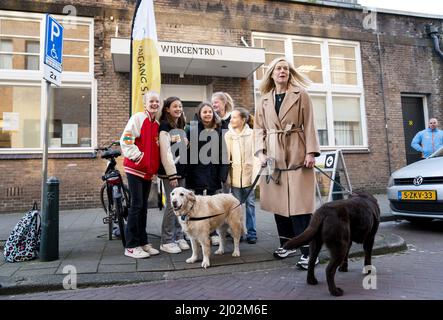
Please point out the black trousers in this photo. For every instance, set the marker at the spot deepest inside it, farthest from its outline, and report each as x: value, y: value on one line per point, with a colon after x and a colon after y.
x: 289, y: 227
x: 136, y: 234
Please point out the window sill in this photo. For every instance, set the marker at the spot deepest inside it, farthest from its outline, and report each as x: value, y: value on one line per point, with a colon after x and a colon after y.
x: 361, y: 150
x: 24, y: 156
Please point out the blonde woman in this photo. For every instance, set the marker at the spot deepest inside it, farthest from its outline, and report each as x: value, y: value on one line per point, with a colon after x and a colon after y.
x: 286, y: 133
x: 223, y: 104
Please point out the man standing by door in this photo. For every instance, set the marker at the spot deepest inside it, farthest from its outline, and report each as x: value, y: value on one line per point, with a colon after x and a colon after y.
x: 428, y: 140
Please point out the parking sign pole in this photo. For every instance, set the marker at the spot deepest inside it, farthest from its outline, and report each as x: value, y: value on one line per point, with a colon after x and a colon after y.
x: 49, y: 198
x: 45, y: 147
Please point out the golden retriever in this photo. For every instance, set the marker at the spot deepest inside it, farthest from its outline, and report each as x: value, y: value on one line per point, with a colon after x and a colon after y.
x: 201, y: 215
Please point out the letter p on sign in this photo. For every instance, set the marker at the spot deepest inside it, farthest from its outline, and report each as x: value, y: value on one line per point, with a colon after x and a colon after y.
x: 55, y: 31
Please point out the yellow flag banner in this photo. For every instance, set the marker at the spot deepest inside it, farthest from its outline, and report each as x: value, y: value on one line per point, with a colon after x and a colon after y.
x: 145, y: 70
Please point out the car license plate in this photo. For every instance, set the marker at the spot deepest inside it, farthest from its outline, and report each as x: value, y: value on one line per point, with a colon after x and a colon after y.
x: 417, y: 195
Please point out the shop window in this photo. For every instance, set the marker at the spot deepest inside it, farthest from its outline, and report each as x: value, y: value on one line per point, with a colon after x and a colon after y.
x: 15, y: 35
x: 334, y: 68
x: 75, y: 48
x: 347, y: 124
x: 19, y: 116
x: 307, y: 60
x: 320, y: 118
x: 32, y: 61
x: 273, y: 49
x: 5, y: 55
x: 71, y: 123
x: 343, y: 66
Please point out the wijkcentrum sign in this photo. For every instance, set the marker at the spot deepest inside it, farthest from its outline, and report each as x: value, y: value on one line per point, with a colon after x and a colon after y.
x: 192, y: 49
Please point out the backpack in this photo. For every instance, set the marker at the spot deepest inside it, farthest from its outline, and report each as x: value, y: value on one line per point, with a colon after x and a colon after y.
x: 24, y: 242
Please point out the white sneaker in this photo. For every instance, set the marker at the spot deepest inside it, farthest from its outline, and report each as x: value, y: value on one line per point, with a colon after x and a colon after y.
x: 137, y: 253
x: 304, y: 262
x: 183, y: 244
x: 170, y: 248
x: 149, y: 249
x: 215, y: 240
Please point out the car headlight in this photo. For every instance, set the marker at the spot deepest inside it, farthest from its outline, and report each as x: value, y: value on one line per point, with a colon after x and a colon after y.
x: 390, y: 182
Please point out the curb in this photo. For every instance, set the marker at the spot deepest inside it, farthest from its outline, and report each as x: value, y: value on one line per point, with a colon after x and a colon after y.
x: 389, y: 244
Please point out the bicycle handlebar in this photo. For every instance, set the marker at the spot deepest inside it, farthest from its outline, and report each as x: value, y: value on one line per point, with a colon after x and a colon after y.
x: 113, y: 143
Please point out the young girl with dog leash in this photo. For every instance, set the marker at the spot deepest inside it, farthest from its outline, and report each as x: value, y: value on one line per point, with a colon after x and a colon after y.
x: 172, y: 171
x: 244, y: 165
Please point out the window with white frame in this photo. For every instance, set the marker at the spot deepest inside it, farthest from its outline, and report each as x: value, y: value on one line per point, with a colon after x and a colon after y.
x: 337, y: 94
x: 22, y: 90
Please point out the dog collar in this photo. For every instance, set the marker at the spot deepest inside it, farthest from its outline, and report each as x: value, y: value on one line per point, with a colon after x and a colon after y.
x: 185, y: 217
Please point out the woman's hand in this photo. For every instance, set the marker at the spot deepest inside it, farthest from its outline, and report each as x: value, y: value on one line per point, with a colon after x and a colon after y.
x: 173, y: 183
x: 309, y: 161
x: 263, y: 159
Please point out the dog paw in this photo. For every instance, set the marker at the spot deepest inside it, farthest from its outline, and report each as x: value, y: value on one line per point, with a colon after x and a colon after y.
x: 191, y: 260
x: 205, y: 264
x: 312, y: 281
x: 236, y: 254
x: 219, y: 251
x: 337, y: 292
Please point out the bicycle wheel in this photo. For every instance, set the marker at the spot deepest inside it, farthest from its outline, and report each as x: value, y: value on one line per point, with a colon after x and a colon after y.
x: 121, y: 221
x: 104, y: 198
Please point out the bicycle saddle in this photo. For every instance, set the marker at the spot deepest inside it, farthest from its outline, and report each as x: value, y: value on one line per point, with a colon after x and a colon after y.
x: 111, y: 154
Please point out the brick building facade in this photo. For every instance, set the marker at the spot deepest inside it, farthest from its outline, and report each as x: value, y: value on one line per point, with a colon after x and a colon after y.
x: 395, y: 61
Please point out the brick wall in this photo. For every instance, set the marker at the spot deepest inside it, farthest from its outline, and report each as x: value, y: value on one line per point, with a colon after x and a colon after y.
x: 410, y: 66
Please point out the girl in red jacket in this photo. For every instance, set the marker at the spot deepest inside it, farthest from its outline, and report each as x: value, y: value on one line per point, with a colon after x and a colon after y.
x: 139, y: 144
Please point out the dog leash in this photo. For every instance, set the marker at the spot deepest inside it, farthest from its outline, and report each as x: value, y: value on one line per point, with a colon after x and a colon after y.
x: 183, y: 217
x: 186, y: 218
x: 268, y: 167
x: 333, y: 180
x: 253, y: 185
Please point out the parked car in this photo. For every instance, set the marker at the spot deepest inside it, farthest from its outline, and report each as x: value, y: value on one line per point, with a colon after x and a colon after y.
x: 415, y: 192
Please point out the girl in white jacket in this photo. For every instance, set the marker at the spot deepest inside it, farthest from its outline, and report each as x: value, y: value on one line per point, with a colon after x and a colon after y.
x: 244, y: 165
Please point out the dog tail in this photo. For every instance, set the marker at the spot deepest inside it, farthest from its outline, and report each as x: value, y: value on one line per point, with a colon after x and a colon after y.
x: 308, y: 234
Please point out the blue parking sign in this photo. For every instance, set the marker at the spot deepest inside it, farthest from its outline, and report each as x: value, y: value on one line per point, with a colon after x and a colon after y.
x: 53, y: 44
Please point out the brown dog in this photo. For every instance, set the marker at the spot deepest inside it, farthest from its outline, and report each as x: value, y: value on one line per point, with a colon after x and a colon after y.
x: 337, y: 224
x: 201, y: 215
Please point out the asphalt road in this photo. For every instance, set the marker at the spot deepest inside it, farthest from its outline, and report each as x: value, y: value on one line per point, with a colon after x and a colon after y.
x: 412, y: 274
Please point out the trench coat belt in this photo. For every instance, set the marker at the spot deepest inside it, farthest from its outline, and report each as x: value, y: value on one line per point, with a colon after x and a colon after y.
x: 287, y: 130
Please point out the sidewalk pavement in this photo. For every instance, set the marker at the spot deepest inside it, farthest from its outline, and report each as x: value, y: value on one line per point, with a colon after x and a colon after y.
x: 98, y: 261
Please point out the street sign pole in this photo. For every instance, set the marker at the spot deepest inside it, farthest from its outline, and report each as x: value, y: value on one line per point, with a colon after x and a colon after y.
x: 52, y: 74
x: 45, y: 146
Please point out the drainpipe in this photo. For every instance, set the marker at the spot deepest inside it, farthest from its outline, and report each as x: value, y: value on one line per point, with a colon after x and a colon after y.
x: 382, y: 83
x: 432, y: 31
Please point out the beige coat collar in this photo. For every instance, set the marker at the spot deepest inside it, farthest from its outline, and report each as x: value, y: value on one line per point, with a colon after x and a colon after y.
x: 291, y: 97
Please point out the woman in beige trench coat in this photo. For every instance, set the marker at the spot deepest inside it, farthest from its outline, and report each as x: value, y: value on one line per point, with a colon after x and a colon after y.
x: 286, y: 133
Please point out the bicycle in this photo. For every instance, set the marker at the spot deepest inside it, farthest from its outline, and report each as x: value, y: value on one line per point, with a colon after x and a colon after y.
x: 117, y: 200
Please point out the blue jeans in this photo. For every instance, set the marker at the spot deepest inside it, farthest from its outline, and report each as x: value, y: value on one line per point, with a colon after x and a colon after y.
x: 240, y: 194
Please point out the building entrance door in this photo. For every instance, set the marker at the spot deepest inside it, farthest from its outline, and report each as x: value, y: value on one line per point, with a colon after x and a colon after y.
x: 413, y: 122
x: 190, y: 95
